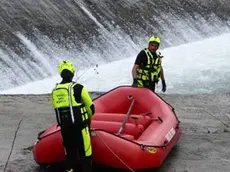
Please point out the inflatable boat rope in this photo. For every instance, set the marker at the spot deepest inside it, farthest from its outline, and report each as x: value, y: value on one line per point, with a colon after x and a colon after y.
x: 112, y: 151
x: 119, y: 133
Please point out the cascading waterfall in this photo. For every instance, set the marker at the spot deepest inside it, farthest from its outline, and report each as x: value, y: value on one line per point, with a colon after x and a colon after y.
x: 36, y: 35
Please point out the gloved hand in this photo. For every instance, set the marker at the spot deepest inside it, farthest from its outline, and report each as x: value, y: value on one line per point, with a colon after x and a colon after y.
x: 159, y: 54
x: 135, y: 82
x: 163, y: 86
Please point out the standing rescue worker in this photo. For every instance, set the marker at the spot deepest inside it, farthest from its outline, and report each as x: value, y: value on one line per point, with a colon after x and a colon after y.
x: 147, y: 69
x: 74, y: 109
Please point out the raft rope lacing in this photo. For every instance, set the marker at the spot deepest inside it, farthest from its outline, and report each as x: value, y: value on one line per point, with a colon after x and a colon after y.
x: 114, y: 153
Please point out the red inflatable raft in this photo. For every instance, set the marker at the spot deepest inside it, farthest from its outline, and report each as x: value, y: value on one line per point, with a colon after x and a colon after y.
x: 133, y: 128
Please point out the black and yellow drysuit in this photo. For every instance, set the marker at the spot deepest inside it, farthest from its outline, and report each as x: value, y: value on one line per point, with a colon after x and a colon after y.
x: 149, y: 74
x: 74, y: 109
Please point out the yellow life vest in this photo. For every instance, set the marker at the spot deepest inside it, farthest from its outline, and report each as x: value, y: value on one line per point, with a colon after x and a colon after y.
x: 63, y: 97
x: 150, y: 72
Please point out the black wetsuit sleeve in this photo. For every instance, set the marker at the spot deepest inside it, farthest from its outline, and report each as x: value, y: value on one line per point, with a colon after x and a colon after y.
x: 77, y: 92
x: 88, y: 102
x: 141, y: 59
x: 81, y: 95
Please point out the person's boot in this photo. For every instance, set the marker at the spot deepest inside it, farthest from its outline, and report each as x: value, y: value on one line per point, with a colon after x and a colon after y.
x: 86, y: 164
x: 69, y: 170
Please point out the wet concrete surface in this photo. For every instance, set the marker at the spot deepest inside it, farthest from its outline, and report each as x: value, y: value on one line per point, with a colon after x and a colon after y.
x: 204, y: 144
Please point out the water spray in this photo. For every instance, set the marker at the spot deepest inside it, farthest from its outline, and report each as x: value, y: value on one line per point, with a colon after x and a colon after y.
x: 95, y: 69
x: 83, y: 73
x: 97, y: 73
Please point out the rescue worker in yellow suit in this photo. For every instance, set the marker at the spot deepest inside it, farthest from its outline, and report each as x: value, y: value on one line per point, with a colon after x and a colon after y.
x: 74, y: 109
x: 147, y: 69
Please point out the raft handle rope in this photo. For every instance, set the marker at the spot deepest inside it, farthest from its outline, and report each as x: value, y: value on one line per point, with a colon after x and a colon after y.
x: 12, y: 147
x: 114, y: 153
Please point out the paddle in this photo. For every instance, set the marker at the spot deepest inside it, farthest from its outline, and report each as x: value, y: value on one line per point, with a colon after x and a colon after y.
x: 126, y: 118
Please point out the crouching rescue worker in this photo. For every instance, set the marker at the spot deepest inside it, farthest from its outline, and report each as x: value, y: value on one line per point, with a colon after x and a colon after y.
x: 147, y: 69
x: 74, y: 109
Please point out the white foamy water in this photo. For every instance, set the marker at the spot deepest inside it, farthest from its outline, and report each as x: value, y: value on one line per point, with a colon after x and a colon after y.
x: 198, y: 67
